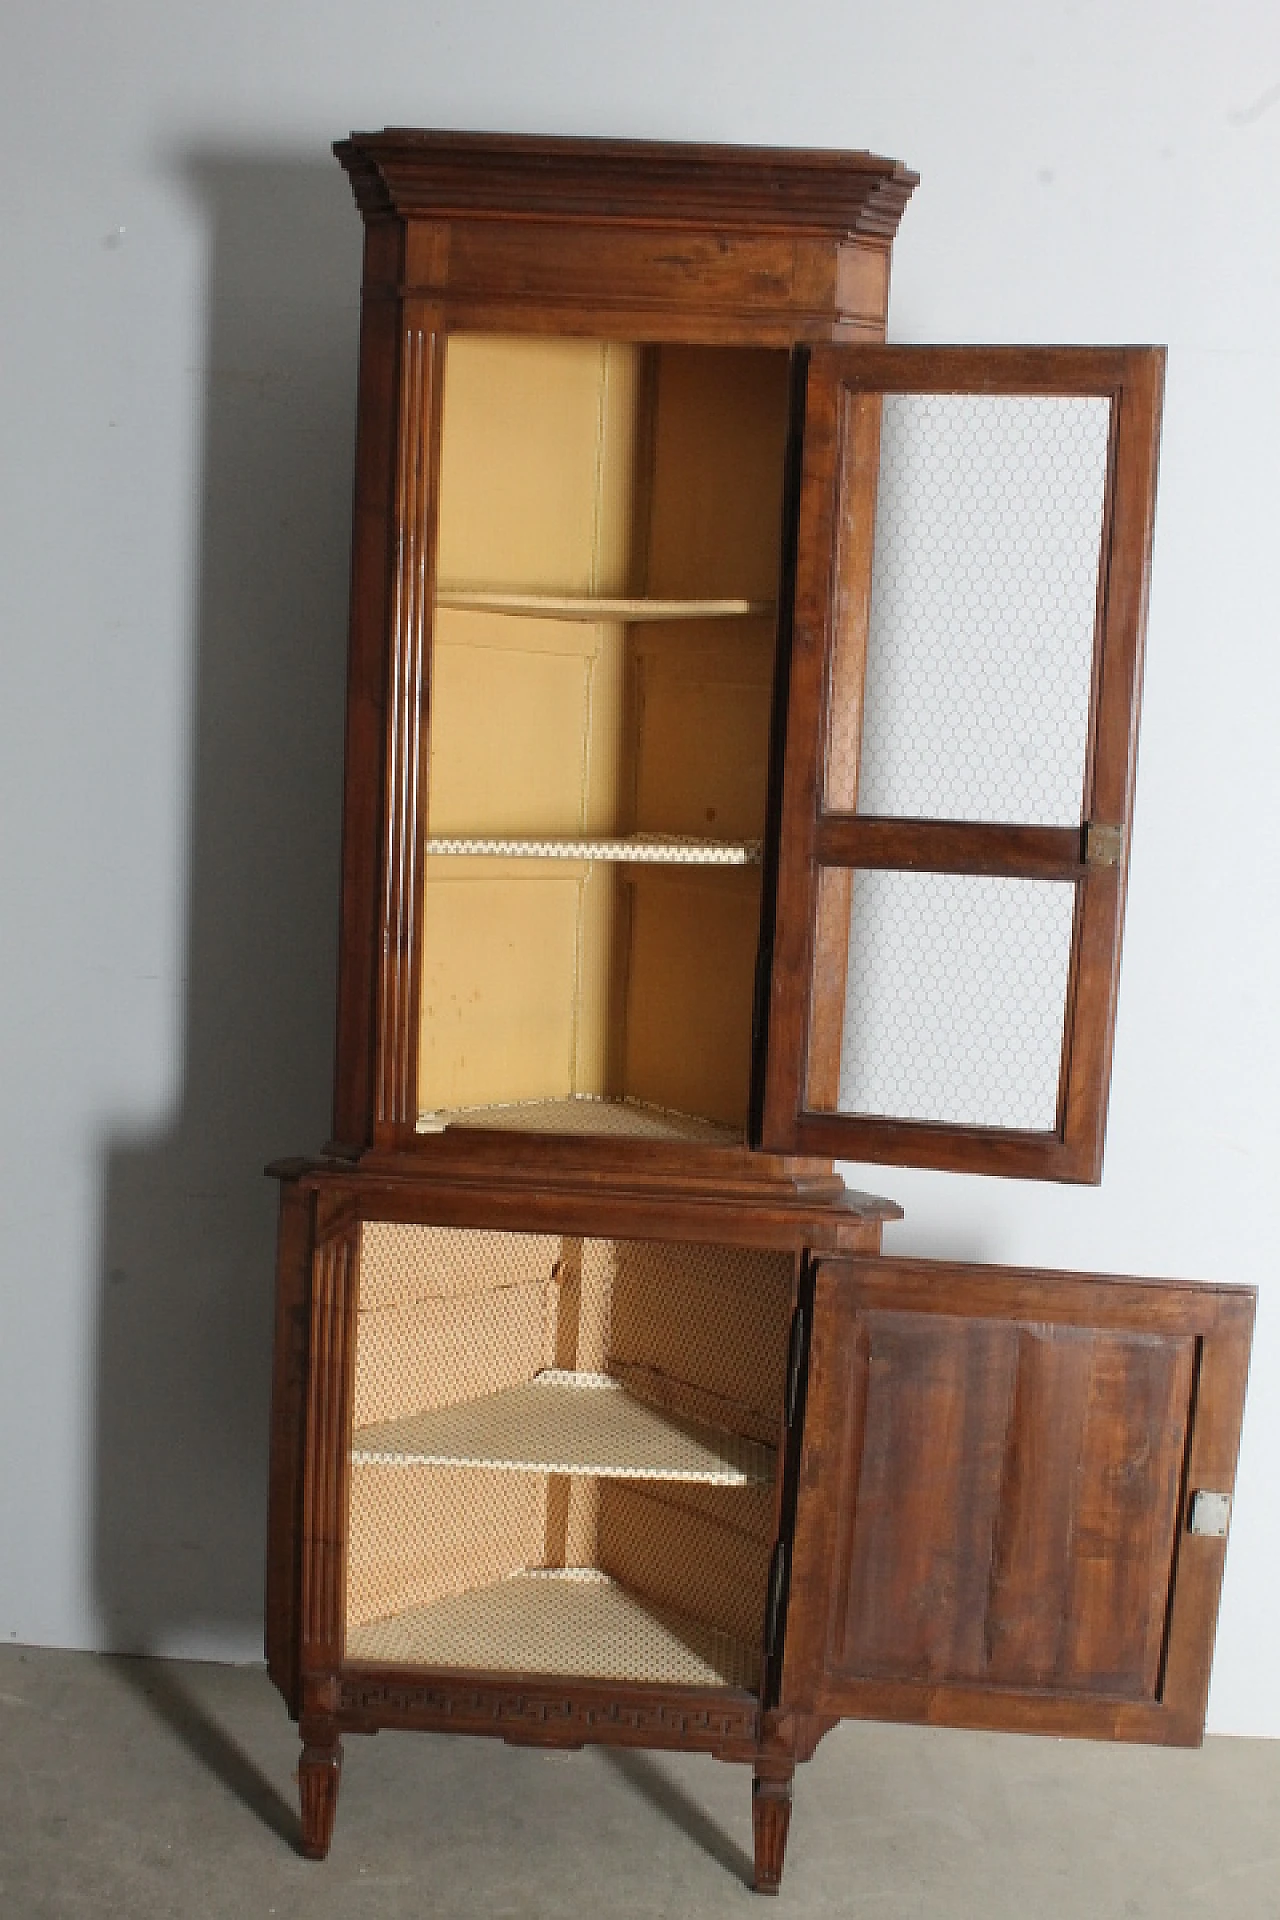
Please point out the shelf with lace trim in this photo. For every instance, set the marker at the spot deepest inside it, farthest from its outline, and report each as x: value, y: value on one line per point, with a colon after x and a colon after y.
x: 597, y: 608
x: 564, y: 1621
x: 634, y: 849
x: 567, y: 1423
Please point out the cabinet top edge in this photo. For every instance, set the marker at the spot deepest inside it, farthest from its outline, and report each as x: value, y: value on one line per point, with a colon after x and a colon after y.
x: 890, y: 1271
x: 421, y: 172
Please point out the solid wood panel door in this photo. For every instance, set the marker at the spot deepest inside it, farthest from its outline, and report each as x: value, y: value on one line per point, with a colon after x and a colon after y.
x: 1012, y: 1498
x: 970, y: 595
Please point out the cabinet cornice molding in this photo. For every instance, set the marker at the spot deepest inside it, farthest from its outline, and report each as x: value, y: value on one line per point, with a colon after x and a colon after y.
x: 790, y: 190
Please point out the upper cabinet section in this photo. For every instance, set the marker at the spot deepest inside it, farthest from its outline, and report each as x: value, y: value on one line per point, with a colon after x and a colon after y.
x: 742, y: 713
x: 710, y: 243
x: 573, y: 421
x: 974, y: 538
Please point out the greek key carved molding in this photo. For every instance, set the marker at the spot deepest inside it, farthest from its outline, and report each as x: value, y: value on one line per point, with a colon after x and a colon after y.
x: 495, y: 1709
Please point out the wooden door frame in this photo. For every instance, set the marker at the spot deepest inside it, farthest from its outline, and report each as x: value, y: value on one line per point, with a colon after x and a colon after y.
x: 834, y: 554
x: 1219, y: 1320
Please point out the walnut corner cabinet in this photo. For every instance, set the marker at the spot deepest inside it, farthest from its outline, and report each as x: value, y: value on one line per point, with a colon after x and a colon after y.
x: 741, y: 734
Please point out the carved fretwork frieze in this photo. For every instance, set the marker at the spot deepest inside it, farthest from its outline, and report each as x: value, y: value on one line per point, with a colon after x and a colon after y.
x: 547, y: 1714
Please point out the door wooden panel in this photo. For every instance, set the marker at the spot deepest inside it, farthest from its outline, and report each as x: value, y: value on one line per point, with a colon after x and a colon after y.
x: 995, y: 1487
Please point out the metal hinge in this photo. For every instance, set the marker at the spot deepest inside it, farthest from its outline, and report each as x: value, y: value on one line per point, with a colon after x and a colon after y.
x: 1103, y: 846
x: 795, y: 1364
x: 1210, y: 1513
x: 760, y: 992
x: 777, y: 1581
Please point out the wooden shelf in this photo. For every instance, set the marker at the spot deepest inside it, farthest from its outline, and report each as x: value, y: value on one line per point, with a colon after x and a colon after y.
x: 568, y: 1423
x: 649, y: 849
x: 586, y: 1114
x: 563, y: 1621
x: 596, y: 607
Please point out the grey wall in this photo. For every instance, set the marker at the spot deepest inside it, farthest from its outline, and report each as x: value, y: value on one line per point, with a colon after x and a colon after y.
x: 178, y: 279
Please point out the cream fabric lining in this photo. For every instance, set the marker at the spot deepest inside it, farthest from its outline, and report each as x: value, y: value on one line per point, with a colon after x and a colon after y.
x: 573, y: 1620
x: 587, y: 1113
x: 538, y: 1401
x: 567, y: 1422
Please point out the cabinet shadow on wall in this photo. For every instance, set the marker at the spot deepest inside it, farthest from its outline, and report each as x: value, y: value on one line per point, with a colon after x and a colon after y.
x: 187, y: 1236
x: 188, y: 1221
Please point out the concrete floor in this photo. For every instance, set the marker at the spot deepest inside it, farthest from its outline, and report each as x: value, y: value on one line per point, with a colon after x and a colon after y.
x: 144, y: 1788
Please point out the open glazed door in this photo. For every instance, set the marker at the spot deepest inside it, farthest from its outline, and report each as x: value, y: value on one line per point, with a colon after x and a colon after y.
x: 971, y: 582
x: 1014, y: 1490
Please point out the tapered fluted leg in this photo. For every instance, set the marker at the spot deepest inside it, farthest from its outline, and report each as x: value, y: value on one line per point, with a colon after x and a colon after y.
x: 770, y: 1818
x: 319, y: 1773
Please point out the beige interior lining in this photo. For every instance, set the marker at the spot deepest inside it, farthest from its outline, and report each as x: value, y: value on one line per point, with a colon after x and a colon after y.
x: 600, y: 503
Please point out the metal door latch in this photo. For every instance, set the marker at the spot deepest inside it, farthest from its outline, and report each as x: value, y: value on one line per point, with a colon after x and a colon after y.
x: 1210, y: 1513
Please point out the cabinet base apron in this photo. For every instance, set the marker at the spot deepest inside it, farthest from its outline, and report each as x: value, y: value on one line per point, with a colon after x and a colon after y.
x: 725, y: 1725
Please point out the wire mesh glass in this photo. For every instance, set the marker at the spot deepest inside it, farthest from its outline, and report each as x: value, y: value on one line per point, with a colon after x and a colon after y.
x: 984, y: 589
x: 955, y: 998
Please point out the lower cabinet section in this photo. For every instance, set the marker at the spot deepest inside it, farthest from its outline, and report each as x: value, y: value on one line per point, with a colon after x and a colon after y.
x: 719, y: 1482
x: 563, y: 1454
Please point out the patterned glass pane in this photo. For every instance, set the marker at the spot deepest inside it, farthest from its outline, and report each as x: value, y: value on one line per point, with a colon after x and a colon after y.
x: 983, y: 605
x: 956, y: 998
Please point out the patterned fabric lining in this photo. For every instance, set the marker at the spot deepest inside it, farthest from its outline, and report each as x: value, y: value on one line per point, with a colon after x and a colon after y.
x: 574, y: 1620
x: 539, y: 1401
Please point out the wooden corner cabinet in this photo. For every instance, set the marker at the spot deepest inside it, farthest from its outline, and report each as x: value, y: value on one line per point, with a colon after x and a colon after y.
x: 740, y: 754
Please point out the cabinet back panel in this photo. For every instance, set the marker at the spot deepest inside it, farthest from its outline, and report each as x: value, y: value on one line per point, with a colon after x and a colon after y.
x: 722, y: 1326
x: 703, y: 702
x: 419, y: 1533
x: 437, y: 1352
x: 499, y: 984
x: 537, y: 463
x: 511, y: 709
x: 447, y: 1314
x: 719, y: 443
x: 707, y: 1562
x: 690, y: 989
x: 402, y: 1264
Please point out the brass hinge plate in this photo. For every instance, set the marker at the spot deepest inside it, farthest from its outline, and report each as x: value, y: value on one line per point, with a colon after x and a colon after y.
x: 1103, y: 846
